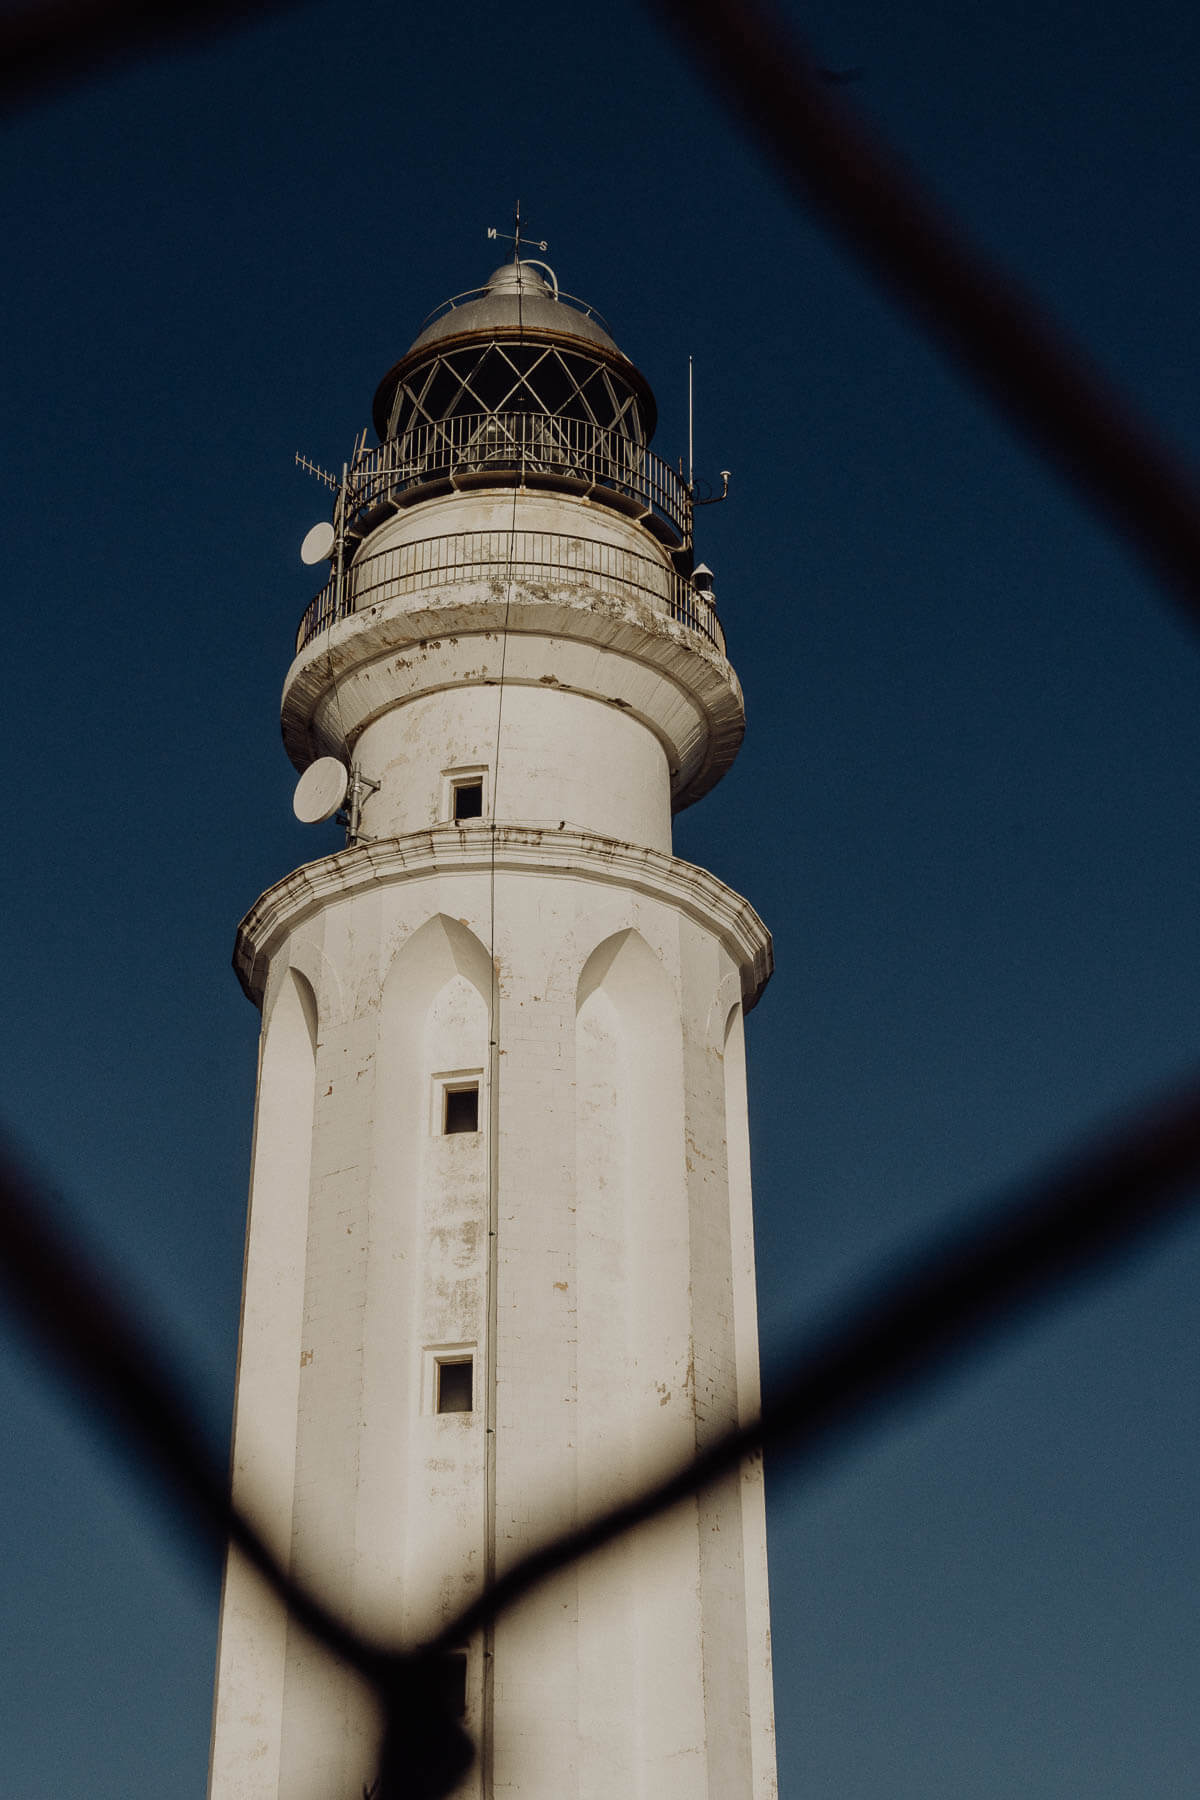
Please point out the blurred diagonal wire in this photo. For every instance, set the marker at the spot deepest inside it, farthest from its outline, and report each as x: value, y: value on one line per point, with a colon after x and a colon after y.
x: 53, y: 42
x: 953, y: 1293
x: 1029, y: 369
x: 91, y: 1331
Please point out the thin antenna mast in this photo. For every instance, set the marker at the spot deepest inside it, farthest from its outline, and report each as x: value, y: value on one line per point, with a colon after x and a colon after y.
x: 710, y: 499
x: 339, y: 520
x: 691, y: 429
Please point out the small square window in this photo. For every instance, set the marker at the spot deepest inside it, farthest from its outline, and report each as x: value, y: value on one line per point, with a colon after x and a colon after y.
x: 454, y: 1390
x: 448, y: 1382
x: 468, y: 800
x: 464, y: 793
x: 461, y: 1109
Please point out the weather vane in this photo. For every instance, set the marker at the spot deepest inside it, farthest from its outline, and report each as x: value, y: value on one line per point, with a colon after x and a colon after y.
x: 514, y: 237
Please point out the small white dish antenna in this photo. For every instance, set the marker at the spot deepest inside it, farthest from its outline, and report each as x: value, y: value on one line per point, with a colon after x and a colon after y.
x: 320, y: 790
x: 318, y: 543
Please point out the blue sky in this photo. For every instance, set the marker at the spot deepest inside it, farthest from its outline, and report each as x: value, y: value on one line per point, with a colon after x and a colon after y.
x: 966, y: 804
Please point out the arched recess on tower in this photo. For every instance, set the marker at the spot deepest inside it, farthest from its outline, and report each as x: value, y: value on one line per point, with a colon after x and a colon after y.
x: 631, y: 1189
x: 277, y: 1239
x: 432, y: 954
x: 433, y: 1022
x: 636, y: 1400
x: 426, y: 1274
x: 253, y: 1650
x: 756, y: 1714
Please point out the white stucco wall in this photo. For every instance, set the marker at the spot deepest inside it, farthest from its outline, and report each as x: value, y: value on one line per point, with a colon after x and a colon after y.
x: 622, y: 1330
x: 594, y: 621
x: 590, y: 1247
x: 248, y: 1709
x: 545, y: 757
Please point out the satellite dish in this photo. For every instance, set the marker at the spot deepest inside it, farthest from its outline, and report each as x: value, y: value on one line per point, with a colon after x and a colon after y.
x: 320, y: 790
x: 318, y: 543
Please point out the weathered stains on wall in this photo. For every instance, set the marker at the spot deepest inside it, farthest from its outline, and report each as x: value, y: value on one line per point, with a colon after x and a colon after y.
x: 611, y: 641
x: 545, y: 756
x: 623, y: 1248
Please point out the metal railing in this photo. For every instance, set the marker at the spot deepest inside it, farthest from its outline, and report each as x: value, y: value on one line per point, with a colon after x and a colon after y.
x: 527, y: 557
x: 537, y: 449
x: 482, y: 293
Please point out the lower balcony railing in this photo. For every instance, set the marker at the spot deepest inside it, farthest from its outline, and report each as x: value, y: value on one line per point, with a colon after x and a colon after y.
x: 528, y: 557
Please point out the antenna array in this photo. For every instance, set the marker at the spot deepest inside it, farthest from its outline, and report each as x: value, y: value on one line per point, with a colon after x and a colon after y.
x: 331, y: 481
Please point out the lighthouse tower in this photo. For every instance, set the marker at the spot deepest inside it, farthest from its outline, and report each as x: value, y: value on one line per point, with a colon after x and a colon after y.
x: 499, y: 1261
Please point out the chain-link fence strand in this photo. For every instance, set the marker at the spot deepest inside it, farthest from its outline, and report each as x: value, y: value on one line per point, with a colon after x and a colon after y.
x: 955, y: 1292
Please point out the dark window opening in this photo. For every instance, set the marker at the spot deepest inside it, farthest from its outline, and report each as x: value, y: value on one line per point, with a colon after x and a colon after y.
x: 455, y: 1387
x: 468, y: 804
x: 462, y: 1109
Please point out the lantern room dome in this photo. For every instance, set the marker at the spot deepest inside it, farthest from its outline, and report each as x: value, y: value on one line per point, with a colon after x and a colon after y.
x: 516, y: 384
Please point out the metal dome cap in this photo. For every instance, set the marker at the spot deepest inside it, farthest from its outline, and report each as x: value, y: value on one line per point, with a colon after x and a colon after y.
x: 516, y: 295
x: 520, y: 303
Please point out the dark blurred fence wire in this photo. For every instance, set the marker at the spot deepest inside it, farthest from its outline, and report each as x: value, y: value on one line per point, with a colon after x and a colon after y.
x: 953, y: 1293
x: 46, y: 45
x: 1027, y: 367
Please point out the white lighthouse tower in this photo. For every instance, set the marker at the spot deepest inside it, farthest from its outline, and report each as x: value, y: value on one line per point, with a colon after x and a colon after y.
x: 499, y: 1261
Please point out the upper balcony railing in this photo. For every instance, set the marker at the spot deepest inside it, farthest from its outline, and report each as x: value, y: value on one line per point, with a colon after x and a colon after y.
x: 482, y: 293
x: 526, y: 448
x: 537, y: 559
